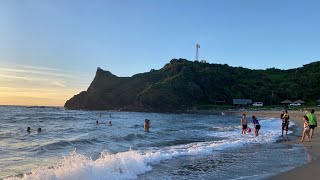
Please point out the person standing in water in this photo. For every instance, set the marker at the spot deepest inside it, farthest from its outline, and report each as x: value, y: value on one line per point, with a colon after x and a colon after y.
x: 110, y: 124
x: 28, y: 129
x: 256, y: 125
x: 285, y: 122
x: 306, y: 128
x: 146, y: 125
x: 312, y: 122
x: 244, y: 124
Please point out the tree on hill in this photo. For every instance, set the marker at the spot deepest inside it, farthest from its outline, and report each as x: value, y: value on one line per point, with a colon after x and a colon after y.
x: 183, y: 84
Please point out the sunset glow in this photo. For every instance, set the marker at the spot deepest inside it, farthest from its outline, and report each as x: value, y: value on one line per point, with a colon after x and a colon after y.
x: 27, y: 85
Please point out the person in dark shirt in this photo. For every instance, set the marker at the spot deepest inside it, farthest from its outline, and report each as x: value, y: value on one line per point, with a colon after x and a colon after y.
x: 256, y: 125
x: 285, y: 122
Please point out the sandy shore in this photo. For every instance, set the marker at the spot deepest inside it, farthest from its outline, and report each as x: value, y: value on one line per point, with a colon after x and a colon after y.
x: 310, y: 170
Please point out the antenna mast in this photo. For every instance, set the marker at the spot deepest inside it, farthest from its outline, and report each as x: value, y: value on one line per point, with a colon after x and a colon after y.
x: 197, y: 52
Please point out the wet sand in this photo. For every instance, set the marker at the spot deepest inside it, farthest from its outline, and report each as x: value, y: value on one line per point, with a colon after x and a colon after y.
x: 310, y: 170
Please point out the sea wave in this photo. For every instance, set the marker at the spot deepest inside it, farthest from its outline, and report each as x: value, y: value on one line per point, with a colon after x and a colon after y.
x: 224, y: 128
x: 7, y: 134
x: 62, y: 144
x: 128, y: 165
x: 129, y: 137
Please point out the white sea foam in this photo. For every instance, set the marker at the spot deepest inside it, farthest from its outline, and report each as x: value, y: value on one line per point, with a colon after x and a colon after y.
x: 269, y: 132
x: 128, y: 165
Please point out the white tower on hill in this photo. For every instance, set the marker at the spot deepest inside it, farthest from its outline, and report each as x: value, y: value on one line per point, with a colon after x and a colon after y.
x: 197, y: 52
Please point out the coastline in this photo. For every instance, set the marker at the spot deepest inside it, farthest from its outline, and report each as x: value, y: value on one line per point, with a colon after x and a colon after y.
x: 270, y: 159
x: 309, y: 170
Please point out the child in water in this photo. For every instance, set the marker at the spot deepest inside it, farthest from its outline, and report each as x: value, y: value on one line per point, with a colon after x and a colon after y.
x: 244, y: 124
x: 305, y: 128
x: 256, y: 125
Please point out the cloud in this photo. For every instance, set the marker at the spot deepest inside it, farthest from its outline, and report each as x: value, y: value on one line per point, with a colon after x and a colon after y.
x: 60, y: 84
x: 19, y: 84
x: 15, y: 77
x: 28, y: 70
x: 42, y: 75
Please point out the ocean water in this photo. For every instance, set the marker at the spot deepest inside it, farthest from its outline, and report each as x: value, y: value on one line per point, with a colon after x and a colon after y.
x: 178, y: 146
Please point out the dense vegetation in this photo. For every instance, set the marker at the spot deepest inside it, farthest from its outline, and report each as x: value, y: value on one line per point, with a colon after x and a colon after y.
x: 182, y: 85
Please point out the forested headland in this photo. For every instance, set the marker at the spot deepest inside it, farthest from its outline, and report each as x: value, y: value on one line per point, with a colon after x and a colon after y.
x: 183, y: 85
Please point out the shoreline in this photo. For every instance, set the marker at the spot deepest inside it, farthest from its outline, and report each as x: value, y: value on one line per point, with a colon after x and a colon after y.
x: 310, y: 170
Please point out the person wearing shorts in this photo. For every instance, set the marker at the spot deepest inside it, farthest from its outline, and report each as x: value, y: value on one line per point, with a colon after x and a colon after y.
x: 285, y: 122
x: 244, y: 124
x: 256, y: 125
x: 312, y: 122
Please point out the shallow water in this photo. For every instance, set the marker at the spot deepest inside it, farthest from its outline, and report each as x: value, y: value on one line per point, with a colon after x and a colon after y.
x: 179, y: 146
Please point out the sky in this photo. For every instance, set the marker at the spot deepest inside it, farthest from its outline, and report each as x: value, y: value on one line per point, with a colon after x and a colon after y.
x: 50, y: 49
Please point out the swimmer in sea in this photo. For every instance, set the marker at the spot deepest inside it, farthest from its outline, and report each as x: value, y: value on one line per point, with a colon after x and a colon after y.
x: 110, y: 124
x: 39, y: 130
x: 28, y: 129
x: 146, y: 125
x: 97, y: 122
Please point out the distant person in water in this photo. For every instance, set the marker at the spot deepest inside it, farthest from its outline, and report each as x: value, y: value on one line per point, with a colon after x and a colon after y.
x: 97, y: 122
x: 146, y: 125
x: 28, y: 129
x: 285, y: 122
x: 109, y: 115
x: 244, y: 124
x: 39, y: 130
x: 306, y: 128
x: 313, y: 123
x: 110, y: 124
x: 256, y: 125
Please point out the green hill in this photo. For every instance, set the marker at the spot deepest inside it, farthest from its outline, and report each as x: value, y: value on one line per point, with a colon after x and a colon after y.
x: 181, y: 85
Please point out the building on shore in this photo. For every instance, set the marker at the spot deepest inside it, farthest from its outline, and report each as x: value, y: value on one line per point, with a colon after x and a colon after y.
x: 242, y: 102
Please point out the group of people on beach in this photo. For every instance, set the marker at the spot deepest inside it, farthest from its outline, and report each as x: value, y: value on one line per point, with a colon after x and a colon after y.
x: 246, y: 128
x: 310, y: 123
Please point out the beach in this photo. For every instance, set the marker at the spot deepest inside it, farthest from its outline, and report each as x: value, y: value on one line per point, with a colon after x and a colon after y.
x: 309, y: 170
